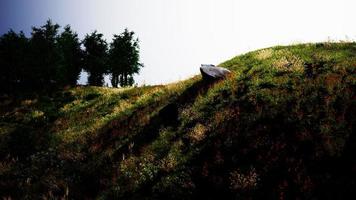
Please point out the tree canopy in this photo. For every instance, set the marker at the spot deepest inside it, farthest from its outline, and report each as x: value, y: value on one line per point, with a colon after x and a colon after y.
x: 43, y: 57
x: 53, y: 57
x: 13, y: 50
x: 95, y: 58
x: 71, y: 56
x: 124, y: 59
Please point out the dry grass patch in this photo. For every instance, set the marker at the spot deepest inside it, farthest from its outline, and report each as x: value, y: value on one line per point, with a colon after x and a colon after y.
x: 264, y: 54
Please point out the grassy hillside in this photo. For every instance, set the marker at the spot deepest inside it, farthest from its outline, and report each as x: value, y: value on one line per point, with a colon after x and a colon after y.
x: 280, y: 126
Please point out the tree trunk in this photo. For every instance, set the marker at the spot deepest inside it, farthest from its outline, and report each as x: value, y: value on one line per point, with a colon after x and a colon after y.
x: 125, y: 78
x: 115, y: 80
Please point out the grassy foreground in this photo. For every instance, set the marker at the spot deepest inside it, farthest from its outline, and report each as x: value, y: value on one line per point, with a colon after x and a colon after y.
x: 281, y: 126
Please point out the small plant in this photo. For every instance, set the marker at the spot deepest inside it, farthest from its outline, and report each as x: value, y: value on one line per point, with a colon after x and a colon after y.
x: 243, y: 181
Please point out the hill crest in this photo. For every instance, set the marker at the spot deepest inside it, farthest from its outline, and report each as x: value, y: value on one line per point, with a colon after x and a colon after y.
x: 280, y: 126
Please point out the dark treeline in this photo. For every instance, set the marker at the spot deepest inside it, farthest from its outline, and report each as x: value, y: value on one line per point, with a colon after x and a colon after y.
x: 54, y: 59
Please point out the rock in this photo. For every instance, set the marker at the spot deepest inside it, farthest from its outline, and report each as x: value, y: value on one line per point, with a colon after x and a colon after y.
x: 213, y: 72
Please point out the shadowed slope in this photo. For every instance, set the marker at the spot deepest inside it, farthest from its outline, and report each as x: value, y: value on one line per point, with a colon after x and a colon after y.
x: 280, y: 126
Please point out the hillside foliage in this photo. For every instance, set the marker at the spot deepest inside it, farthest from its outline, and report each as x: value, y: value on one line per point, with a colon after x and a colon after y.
x: 281, y: 126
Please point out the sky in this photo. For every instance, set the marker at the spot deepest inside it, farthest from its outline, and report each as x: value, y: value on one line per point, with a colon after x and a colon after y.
x: 176, y: 36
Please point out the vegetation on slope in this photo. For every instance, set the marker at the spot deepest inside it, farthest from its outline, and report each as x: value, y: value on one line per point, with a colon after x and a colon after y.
x: 281, y: 126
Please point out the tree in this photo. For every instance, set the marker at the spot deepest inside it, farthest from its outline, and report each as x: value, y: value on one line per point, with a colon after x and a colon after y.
x: 70, y: 57
x: 13, y: 49
x: 43, y: 55
x: 52, y: 59
x: 124, y: 59
x: 95, y: 56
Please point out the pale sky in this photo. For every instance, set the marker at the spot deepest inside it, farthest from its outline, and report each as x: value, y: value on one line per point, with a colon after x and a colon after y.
x: 176, y: 36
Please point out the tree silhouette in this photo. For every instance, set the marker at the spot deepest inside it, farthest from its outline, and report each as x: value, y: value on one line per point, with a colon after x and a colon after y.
x: 49, y: 59
x: 95, y: 56
x: 124, y: 59
x: 13, y: 49
x: 71, y: 54
x: 43, y: 55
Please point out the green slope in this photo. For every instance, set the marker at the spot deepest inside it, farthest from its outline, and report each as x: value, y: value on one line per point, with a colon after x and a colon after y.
x: 280, y: 126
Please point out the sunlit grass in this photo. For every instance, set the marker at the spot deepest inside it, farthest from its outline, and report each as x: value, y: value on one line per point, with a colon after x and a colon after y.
x: 97, y: 131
